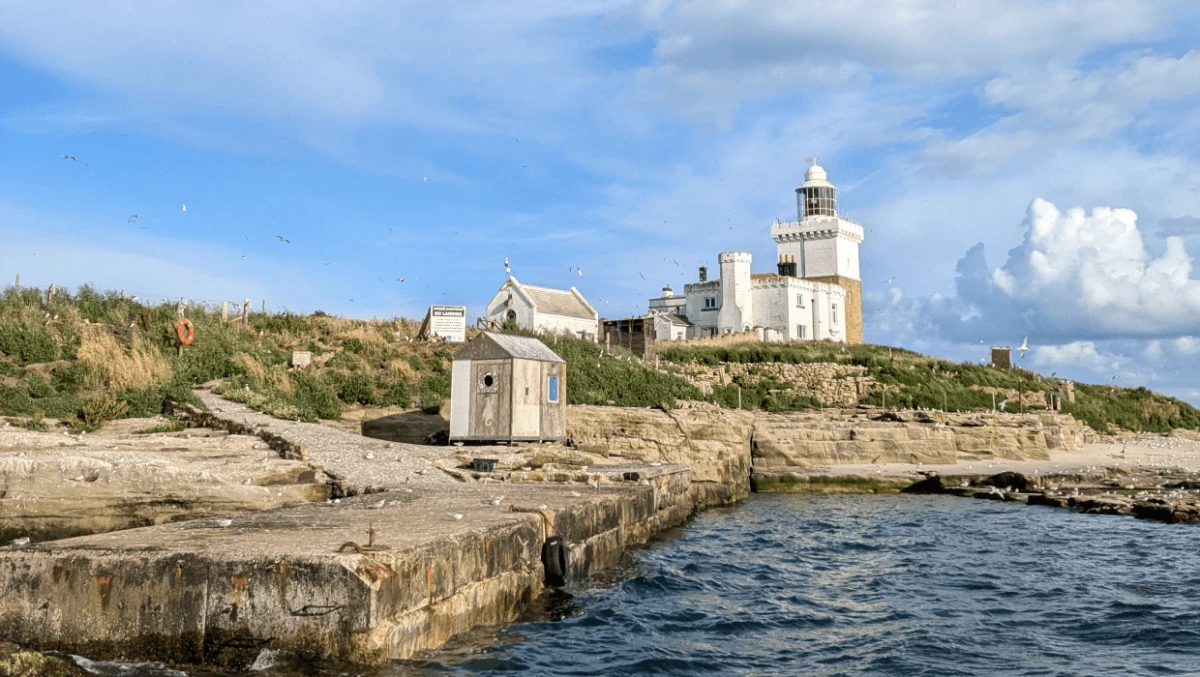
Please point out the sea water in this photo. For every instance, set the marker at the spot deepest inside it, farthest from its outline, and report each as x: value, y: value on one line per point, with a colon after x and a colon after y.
x: 870, y: 585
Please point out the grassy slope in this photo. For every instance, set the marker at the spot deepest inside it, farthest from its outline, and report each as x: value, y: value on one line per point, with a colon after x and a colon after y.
x: 94, y: 357
x: 936, y: 384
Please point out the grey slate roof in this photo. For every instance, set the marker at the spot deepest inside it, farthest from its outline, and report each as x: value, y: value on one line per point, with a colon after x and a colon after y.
x: 505, y: 345
x: 557, y: 302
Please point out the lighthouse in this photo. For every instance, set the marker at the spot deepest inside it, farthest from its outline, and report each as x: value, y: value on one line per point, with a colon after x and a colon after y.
x: 822, y: 245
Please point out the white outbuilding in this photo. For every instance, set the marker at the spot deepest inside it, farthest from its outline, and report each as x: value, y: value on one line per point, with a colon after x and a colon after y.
x: 543, y: 310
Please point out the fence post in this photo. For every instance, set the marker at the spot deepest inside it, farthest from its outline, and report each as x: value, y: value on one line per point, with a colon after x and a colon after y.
x: 264, y: 307
x: 246, y: 310
x: 18, y: 284
x: 49, y: 297
x: 179, y: 308
x: 224, y: 312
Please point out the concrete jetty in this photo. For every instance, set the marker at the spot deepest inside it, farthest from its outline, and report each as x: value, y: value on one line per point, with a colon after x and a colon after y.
x: 410, y: 549
x: 363, y: 580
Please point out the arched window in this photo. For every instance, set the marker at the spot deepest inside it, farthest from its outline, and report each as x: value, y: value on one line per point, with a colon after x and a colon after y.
x: 552, y: 389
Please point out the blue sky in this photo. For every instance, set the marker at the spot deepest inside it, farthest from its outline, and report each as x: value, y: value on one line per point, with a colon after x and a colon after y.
x: 431, y: 140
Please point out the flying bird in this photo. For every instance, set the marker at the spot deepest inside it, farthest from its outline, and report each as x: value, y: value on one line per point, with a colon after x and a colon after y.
x: 399, y: 279
x: 243, y: 256
x: 184, y: 208
x: 132, y: 218
x: 69, y: 157
x: 890, y: 280
x: 580, y: 271
x: 284, y: 239
x: 1024, y: 347
x: 87, y: 164
x: 642, y: 276
x: 424, y: 178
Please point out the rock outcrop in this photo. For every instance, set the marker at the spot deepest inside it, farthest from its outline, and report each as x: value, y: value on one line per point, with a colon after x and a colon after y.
x: 714, y: 442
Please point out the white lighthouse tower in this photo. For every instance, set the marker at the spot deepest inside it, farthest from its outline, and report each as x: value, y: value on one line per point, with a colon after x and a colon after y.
x: 823, y: 246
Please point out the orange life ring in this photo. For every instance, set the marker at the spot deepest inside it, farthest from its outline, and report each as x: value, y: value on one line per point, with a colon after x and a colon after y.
x: 185, y: 331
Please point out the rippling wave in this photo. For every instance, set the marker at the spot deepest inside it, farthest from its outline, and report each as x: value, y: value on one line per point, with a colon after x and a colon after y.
x: 870, y: 585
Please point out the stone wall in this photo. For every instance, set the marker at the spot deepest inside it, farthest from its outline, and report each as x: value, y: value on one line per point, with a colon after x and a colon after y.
x: 843, y: 385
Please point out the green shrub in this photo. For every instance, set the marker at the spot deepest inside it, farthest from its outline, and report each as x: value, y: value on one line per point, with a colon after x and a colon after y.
x: 357, y: 389
x: 103, y: 408
x: 353, y: 345
x: 28, y: 342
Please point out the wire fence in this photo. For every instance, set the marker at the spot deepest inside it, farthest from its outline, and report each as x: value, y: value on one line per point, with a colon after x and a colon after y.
x: 207, y: 305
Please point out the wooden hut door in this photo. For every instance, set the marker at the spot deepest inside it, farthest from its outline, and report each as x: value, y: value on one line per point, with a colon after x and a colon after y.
x: 491, y: 398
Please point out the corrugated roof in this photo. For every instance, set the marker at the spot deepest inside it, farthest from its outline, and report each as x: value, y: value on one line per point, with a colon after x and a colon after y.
x: 557, y: 302
x: 524, y: 347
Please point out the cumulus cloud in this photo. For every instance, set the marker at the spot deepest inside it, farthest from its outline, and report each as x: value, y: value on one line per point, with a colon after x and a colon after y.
x: 1076, y: 275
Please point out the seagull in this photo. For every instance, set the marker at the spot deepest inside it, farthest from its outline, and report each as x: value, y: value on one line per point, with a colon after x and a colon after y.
x: 542, y: 506
x: 1024, y: 347
x: 19, y: 542
x: 69, y: 157
x: 184, y: 208
x: 399, y: 279
x: 87, y: 164
x: 890, y: 280
x: 243, y: 256
x: 424, y: 178
x: 580, y: 271
x: 284, y: 239
x: 576, y: 493
x: 132, y: 218
x: 642, y: 276
x: 455, y: 515
x: 223, y: 522
x: 496, y: 500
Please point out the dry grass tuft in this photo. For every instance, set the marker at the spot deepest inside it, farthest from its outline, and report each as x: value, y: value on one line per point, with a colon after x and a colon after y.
x: 254, y: 369
x: 141, y: 366
x: 401, y: 370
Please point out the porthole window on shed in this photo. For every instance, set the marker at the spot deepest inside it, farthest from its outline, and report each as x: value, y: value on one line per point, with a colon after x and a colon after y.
x: 489, y: 381
x: 552, y: 389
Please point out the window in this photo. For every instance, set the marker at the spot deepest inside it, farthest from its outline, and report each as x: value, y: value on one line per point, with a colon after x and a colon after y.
x: 799, y: 300
x: 800, y: 331
x: 552, y: 389
x: 710, y: 303
x: 835, y: 321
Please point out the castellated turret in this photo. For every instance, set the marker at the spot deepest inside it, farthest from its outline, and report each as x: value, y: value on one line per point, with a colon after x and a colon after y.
x: 737, y: 303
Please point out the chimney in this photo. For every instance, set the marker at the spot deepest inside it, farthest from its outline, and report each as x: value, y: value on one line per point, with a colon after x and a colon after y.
x: 703, y: 273
x: 666, y: 291
x: 787, y: 265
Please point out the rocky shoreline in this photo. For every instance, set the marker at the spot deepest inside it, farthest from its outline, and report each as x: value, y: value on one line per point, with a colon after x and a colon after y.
x: 400, y: 547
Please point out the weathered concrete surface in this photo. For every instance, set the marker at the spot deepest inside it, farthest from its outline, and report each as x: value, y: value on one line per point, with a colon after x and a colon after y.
x: 56, y: 486
x: 357, y: 464
x: 200, y: 592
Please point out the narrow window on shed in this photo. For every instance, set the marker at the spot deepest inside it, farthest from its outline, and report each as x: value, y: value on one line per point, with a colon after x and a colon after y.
x: 552, y: 389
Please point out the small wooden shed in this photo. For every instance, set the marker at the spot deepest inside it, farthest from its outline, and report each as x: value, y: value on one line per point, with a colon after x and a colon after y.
x: 508, y: 389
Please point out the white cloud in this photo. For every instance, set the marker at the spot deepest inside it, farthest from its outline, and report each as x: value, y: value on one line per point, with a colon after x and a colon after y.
x: 1187, y: 345
x: 1079, y: 274
x: 1082, y: 354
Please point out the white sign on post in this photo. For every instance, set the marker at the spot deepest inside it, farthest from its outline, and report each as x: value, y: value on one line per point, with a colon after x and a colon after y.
x: 448, y: 322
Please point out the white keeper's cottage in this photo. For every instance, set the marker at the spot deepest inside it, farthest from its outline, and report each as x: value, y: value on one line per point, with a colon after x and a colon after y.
x: 814, y: 294
x: 543, y: 309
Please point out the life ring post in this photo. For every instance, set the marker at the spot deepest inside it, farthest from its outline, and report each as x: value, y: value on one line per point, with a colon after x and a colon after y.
x: 185, y: 332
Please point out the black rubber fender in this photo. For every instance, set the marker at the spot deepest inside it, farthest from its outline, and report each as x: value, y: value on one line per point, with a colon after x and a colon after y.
x: 554, y: 561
